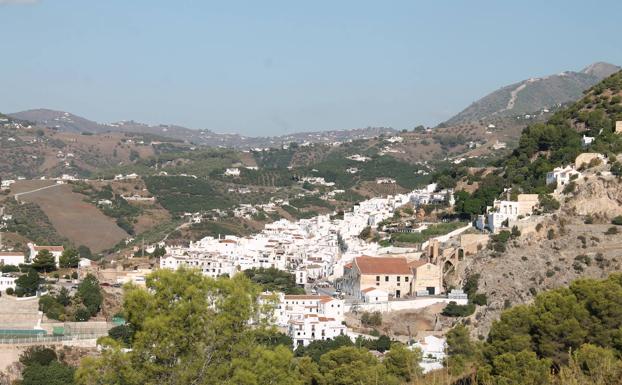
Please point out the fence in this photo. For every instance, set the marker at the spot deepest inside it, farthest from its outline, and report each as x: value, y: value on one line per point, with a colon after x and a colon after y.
x: 46, y: 339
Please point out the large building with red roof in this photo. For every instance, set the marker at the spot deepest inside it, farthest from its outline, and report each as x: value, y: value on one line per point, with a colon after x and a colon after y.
x: 394, y: 275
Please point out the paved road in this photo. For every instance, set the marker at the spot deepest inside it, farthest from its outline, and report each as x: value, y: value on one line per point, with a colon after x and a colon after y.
x: 16, y: 196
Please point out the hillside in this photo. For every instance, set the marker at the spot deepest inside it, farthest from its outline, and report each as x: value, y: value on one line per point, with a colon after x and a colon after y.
x: 573, y: 241
x: 68, y: 122
x: 534, y: 94
x: 32, y: 152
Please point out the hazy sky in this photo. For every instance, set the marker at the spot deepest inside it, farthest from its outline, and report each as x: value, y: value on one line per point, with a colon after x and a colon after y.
x: 273, y: 67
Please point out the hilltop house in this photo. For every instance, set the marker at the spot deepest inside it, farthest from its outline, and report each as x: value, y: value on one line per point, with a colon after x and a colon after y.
x: 503, y: 211
x: 56, y: 251
x: 561, y: 175
x: 232, y: 172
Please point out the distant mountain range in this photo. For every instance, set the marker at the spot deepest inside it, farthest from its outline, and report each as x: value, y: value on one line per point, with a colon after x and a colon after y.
x: 535, y: 94
x: 65, y: 121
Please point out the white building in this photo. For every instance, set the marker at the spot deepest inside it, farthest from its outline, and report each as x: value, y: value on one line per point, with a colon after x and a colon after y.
x: 11, y: 258
x: 232, y: 172
x: 312, y: 327
x: 586, y: 140
x: 373, y: 295
x: 56, y: 251
x: 433, y: 352
x: 7, y: 281
x: 561, y: 175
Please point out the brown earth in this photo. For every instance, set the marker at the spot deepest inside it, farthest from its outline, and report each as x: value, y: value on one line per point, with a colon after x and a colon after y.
x: 79, y: 221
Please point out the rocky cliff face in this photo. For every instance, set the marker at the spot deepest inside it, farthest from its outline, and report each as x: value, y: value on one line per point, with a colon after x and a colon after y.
x: 534, y: 263
x: 599, y: 196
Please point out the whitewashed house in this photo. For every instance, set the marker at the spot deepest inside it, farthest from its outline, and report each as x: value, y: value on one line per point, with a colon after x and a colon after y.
x: 374, y: 295
x: 232, y: 172
x: 433, y: 352
x: 11, y: 258
x: 561, y: 176
x: 312, y: 327
x: 7, y: 281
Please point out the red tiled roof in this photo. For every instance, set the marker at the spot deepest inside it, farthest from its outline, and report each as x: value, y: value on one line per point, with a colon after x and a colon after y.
x: 11, y: 254
x: 50, y: 248
x: 303, y: 296
x: 227, y: 241
x: 368, y: 289
x: 416, y: 264
x: 382, y: 265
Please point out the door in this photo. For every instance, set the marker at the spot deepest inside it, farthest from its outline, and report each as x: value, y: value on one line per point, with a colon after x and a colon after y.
x: 431, y: 290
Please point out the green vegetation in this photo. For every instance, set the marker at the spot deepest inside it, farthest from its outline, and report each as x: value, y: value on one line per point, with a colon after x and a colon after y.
x: 371, y: 319
x: 32, y: 223
x: 124, y: 213
x: 299, y: 214
x: 192, y: 329
x: 180, y: 194
x: 44, y: 261
x: 41, y: 366
x: 572, y: 330
x: 273, y: 279
x: 69, y: 259
x: 84, y: 305
x: 544, y: 146
x: 27, y: 284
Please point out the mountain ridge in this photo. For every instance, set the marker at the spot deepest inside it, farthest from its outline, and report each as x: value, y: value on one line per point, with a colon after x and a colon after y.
x: 66, y: 121
x: 534, y: 94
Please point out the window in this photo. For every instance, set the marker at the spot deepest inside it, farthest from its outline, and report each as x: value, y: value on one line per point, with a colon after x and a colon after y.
x: 377, y: 278
x: 386, y: 278
x: 398, y: 278
x: 405, y: 279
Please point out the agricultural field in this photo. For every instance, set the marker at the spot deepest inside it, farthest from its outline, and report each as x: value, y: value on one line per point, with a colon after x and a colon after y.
x: 79, y: 221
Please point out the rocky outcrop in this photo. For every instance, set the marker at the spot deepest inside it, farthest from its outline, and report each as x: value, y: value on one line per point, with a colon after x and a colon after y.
x: 598, y: 196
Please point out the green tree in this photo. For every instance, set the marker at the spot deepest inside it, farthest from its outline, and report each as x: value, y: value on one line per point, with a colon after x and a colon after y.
x: 55, y: 373
x: 28, y: 284
x: 69, y: 259
x: 265, y: 366
x: 402, y: 362
x: 353, y: 366
x: 522, y: 368
x: 90, y: 294
x: 188, y: 329
x: 44, y: 261
x: 85, y: 252
x: 63, y: 297
x: 37, y: 355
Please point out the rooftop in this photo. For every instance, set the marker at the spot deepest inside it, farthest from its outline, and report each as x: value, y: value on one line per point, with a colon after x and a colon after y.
x: 382, y: 265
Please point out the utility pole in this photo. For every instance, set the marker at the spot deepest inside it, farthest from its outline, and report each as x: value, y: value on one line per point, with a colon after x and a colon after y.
x: 143, y: 248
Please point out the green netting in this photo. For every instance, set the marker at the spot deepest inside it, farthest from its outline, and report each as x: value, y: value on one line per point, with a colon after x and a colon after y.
x: 21, y: 332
